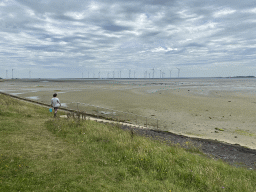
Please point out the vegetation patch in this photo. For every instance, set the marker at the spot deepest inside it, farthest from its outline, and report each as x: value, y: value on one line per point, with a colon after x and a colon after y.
x: 40, y: 153
x: 244, y: 132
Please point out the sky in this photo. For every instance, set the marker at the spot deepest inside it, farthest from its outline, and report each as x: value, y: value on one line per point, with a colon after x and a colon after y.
x: 121, y: 38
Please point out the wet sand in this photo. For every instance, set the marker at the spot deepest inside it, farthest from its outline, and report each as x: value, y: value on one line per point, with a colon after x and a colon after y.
x: 221, y: 109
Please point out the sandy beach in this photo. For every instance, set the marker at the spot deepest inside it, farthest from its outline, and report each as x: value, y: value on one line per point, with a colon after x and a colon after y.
x: 216, y: 108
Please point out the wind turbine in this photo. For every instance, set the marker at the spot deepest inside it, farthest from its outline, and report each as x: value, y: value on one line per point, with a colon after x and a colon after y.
x: 113, y: 74
x: 170, y: 73
x: 153, y: 73
x: 160, y: 73
x: 129, y: 73
x: 178, y: 72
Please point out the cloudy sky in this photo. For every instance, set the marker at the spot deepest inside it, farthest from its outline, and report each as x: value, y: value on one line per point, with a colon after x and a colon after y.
x: 113, y: 38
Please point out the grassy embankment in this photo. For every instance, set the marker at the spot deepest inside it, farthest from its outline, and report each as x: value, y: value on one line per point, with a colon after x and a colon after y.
x: 39, y: 153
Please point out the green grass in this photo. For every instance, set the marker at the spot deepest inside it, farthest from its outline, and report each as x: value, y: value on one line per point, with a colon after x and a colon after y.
x: 40, y: 153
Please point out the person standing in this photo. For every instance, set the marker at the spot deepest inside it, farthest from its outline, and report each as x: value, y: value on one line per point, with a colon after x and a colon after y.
x: 55, y: 103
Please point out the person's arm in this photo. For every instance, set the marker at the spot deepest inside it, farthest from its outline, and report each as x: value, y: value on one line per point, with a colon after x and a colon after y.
x: 59, y: 102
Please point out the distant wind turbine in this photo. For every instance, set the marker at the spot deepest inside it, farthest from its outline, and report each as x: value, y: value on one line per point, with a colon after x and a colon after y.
x: 153, y: 73
x: 170, y: 73
x: 178, y: 72
x: 163, y: 73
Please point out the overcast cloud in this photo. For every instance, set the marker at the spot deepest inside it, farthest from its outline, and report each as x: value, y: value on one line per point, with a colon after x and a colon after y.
x: 71, y: 39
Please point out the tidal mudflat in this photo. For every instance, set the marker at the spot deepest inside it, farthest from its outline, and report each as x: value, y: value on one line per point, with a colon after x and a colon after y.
x: 212, y: 108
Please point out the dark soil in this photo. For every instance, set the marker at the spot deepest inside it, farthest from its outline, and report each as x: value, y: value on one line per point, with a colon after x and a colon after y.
x: 235, y: 155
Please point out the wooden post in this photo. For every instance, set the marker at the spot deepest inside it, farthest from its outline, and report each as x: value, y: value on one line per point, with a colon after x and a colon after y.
x: 83, y: 115
x: 78, y: 115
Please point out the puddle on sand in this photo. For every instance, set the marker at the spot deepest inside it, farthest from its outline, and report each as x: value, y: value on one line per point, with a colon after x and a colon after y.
x: 16, y: 93
x: 64, y: 105
x: 33, y: 98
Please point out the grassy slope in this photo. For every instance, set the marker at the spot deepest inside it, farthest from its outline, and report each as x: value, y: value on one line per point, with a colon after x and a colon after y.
x: 39, y: 153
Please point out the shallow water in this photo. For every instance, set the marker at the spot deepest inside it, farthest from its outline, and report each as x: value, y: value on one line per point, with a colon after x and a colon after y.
x: 33, y: 97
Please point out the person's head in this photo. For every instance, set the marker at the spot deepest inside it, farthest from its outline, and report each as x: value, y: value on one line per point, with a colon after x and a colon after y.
x: 55, y: 95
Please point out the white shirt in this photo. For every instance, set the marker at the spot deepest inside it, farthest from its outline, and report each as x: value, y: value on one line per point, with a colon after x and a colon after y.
x: 55, y: 102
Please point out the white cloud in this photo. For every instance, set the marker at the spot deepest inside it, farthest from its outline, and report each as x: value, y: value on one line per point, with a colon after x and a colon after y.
x: 161, y: 49
x: 76, y: 15
x: 253, y: 10
x: 223, y: 12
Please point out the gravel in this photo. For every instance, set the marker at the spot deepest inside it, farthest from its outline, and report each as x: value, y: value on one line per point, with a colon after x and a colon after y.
x: 235, y: 155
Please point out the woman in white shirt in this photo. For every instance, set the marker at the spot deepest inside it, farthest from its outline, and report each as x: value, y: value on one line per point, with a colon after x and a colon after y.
x: 55, y: 103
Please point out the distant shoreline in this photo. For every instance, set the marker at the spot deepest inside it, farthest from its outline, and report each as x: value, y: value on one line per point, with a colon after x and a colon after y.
x: 131, y: 79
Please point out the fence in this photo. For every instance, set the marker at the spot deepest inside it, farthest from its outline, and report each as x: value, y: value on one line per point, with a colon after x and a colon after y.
x: 119, y: 116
